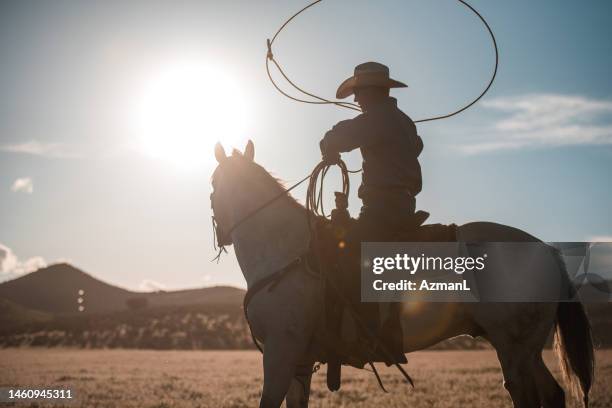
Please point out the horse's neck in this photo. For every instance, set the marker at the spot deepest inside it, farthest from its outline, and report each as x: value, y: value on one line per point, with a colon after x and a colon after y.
x: 270, y: 239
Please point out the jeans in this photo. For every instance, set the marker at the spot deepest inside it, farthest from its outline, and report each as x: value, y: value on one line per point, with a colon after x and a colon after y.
x: 377, y: 222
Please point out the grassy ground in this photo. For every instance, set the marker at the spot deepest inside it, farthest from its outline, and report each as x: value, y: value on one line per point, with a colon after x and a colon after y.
x: 126, y: 378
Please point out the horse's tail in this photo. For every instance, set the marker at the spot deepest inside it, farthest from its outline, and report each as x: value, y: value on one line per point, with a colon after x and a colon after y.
x: 574, y: 345
x: 574, y: 348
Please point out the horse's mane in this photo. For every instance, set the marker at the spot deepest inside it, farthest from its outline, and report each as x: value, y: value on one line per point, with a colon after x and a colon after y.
x: 255, y: 173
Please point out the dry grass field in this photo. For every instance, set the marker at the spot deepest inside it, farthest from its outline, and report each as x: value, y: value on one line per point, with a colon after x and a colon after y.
x: 135, y: 378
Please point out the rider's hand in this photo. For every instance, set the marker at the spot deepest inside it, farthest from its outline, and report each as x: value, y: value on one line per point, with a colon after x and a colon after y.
x: 331, y: 158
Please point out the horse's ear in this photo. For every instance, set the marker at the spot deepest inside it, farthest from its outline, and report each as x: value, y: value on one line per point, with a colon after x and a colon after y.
x: 220, y: 153
x: 249, y: 150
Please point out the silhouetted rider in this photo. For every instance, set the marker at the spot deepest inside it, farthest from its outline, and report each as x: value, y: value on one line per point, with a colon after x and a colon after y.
x: 391, y: 178
x: 388, y: 141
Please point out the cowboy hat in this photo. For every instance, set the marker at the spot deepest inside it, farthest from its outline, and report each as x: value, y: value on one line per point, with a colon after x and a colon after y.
x: 368, y: 74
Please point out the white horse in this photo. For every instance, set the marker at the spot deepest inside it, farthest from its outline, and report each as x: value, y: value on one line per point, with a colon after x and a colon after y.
x: 285, y: 319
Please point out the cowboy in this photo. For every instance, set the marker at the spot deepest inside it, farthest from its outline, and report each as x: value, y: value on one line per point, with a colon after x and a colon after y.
x: 387, y: 139
x: 391, y: 176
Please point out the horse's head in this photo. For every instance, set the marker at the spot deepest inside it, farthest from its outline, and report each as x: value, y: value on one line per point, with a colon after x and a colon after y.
x: 228, y: 179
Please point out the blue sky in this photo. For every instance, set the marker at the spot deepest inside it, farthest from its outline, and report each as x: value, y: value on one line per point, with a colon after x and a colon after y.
x: 536, y: 153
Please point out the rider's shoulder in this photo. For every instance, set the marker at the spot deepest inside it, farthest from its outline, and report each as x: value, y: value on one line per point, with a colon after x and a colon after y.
x: 352, y: 121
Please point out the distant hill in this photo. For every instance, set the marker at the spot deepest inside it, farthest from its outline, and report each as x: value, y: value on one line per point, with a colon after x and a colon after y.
x: 56, y: 290
x: 12, y: 314
x: 42, y: 309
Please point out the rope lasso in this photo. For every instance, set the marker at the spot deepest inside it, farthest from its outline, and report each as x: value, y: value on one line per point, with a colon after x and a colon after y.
x: 348, y: 105
x: 314, y: 193
x: 270, y: 57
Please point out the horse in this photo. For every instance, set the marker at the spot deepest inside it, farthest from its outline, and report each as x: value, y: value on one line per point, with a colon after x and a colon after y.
x: 268, y: 234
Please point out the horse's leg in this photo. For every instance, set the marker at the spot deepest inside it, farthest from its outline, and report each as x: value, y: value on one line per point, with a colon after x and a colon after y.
x: 519, y: 343
x: 290, y: 319
x: 516, y: 366
x: 299, y: 391
x: 551, y: 393
x: 280, y: 361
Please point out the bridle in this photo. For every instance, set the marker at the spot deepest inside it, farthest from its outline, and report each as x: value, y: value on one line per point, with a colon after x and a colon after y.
x: 220, y: 240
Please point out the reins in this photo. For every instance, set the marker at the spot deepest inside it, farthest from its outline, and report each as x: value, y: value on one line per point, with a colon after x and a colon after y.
x: 348, y: 105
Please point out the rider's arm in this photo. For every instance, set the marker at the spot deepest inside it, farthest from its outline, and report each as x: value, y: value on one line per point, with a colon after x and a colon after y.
x: 347, y: 135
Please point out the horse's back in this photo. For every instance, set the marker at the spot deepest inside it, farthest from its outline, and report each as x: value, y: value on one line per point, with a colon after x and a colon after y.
x: 484, y: 231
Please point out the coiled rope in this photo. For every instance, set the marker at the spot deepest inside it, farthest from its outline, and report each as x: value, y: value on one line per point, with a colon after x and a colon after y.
x: 314, y: 196
x: 348, y: 105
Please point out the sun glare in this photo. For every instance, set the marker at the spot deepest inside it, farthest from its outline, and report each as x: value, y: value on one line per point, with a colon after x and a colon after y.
x: 184, y: 109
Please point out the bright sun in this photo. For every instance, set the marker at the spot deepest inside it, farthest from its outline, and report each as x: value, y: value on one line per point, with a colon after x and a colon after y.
x: 184, y: 109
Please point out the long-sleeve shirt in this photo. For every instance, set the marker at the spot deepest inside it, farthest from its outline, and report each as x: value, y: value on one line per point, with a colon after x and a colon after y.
x: 389, y: 145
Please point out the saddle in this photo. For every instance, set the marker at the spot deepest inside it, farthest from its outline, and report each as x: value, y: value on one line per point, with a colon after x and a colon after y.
x: 344, y: 338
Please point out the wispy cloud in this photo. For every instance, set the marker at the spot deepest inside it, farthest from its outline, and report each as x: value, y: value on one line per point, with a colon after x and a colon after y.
x: 12, y: 267
x: 149, y: 285
x: 600, y: 238
x: 544, y: 120
x: 36, y: 148
x: 23, y: 185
